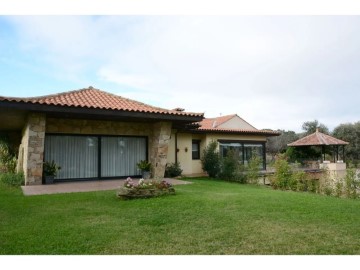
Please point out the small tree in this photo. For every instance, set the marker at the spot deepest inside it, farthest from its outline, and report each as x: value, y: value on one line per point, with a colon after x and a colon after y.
x: 210, y: 160
x: 254, y: 169
x: 283, y: 173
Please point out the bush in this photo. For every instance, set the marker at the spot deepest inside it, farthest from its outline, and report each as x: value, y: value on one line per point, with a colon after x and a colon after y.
x: 173, y: 170
x: 339, y: 188
x: 210, y: 160
x: 231, y: 169
x: 282, y: 176
x: 7, y: 155
x: 12, y: 179
x: 254, y: 169
x: 351, y: 183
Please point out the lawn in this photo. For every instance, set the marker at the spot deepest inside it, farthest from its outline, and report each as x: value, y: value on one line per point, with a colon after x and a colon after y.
x: 206, y: 217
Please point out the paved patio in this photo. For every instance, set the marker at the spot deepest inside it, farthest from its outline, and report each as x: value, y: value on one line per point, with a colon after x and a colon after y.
x: 84, y: 186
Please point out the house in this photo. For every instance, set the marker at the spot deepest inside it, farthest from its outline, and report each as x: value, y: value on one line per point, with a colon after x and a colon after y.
x: 230, y: 131
x: 93, y: 134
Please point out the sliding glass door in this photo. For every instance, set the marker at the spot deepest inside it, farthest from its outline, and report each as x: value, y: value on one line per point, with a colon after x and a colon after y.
x: 86, y: 157
x: 119, y: 155
x: 76, y: 155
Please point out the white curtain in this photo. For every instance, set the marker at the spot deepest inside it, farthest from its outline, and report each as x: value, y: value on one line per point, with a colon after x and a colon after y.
x: 76, y: 155
x: 119, y: 155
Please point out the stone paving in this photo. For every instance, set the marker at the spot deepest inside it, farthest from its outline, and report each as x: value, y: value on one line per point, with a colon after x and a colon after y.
x: 83, y: 186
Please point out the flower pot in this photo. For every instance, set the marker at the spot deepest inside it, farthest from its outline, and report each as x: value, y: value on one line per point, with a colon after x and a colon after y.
x: 146, y: 174
x: 49, y: 180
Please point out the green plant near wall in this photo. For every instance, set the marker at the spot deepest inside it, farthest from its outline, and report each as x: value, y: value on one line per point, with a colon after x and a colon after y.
x: 173, y: 169
x: 8, y: 158
x: 50, y: 168
x: 254, y: 169
x: 144, y: 165
x: 12, y: 179
x: 210, y: 160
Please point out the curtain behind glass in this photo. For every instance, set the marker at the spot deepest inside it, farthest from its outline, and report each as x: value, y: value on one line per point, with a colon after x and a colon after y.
x: 76, y: 155
x: 119, y: 155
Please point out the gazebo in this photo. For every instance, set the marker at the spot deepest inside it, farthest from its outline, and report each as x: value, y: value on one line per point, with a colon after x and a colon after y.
x: 322, y: 140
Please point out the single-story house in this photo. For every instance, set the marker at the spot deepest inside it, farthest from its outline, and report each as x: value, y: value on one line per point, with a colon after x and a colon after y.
x: 93, y: 134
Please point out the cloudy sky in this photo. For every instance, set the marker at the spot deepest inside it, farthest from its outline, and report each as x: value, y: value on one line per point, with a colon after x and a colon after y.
x: 274, y: 71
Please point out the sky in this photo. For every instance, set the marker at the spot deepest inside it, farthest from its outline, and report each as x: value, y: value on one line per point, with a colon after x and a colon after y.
x: 276, y: 72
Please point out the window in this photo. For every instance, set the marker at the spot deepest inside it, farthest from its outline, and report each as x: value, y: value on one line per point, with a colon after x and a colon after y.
x: 244, y: 150
x: 195, y: 149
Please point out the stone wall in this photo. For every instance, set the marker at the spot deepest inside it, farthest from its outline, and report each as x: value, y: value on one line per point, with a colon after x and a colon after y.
x: 31, y: 150
x: 97, y: 127
x: 159, y: 142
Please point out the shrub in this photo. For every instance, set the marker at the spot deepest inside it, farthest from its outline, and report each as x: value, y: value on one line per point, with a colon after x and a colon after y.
x: 230, y: 168
x: 282, y: 175
x: 298, y: 181
x: 313, y: 185
x: 173, y: 170
x: 7, y: 155
x: 339, y: 188
x: 351, y: 183
x: 12, y: 179
x: 253, y: 169
x: 210, y: 160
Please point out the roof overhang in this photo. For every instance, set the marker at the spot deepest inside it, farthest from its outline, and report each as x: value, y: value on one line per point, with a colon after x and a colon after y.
x: 20, y: 109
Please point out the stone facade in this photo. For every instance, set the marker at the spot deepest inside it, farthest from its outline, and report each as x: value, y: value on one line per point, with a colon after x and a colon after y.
x: 31, y: 150
x: 160, y: 145
x: 97, y: 127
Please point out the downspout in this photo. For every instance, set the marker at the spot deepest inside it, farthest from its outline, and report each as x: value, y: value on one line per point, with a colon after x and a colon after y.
x: 176, y: 148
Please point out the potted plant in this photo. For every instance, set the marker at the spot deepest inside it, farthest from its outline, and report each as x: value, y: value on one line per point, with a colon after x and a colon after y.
x: 50, y: 169
x: 145, y: 168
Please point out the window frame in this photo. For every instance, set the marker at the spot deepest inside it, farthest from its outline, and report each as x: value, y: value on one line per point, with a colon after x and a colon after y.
x: 198, y: 143
x: 243, y: 146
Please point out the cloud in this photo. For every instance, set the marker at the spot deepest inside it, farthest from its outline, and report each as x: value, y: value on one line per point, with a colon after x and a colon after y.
x: 276, y: 72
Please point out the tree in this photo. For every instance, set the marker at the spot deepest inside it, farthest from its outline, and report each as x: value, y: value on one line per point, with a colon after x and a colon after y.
x: 310, y: 127
x: 278, y: 144
x: 350, y: 133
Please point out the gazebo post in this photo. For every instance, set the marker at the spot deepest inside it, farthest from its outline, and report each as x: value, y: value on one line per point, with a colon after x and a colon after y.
x: 344, y: 153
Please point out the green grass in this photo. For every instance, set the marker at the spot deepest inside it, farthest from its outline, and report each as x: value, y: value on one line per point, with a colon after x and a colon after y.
x: 207, y: 217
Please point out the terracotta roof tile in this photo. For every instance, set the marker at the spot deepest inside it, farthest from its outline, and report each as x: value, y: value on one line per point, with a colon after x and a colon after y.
x: 94, y: 98
x: 318, y: 138
x: 211, y: 124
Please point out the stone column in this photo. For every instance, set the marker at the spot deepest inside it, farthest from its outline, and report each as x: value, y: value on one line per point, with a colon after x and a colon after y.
x: 159, y: 145
x: 32, y: 144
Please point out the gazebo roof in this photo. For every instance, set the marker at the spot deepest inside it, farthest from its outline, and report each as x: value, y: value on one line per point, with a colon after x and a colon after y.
x: 317, y: 138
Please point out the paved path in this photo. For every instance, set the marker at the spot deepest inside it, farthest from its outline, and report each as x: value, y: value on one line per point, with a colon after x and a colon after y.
x: 83, y: 186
